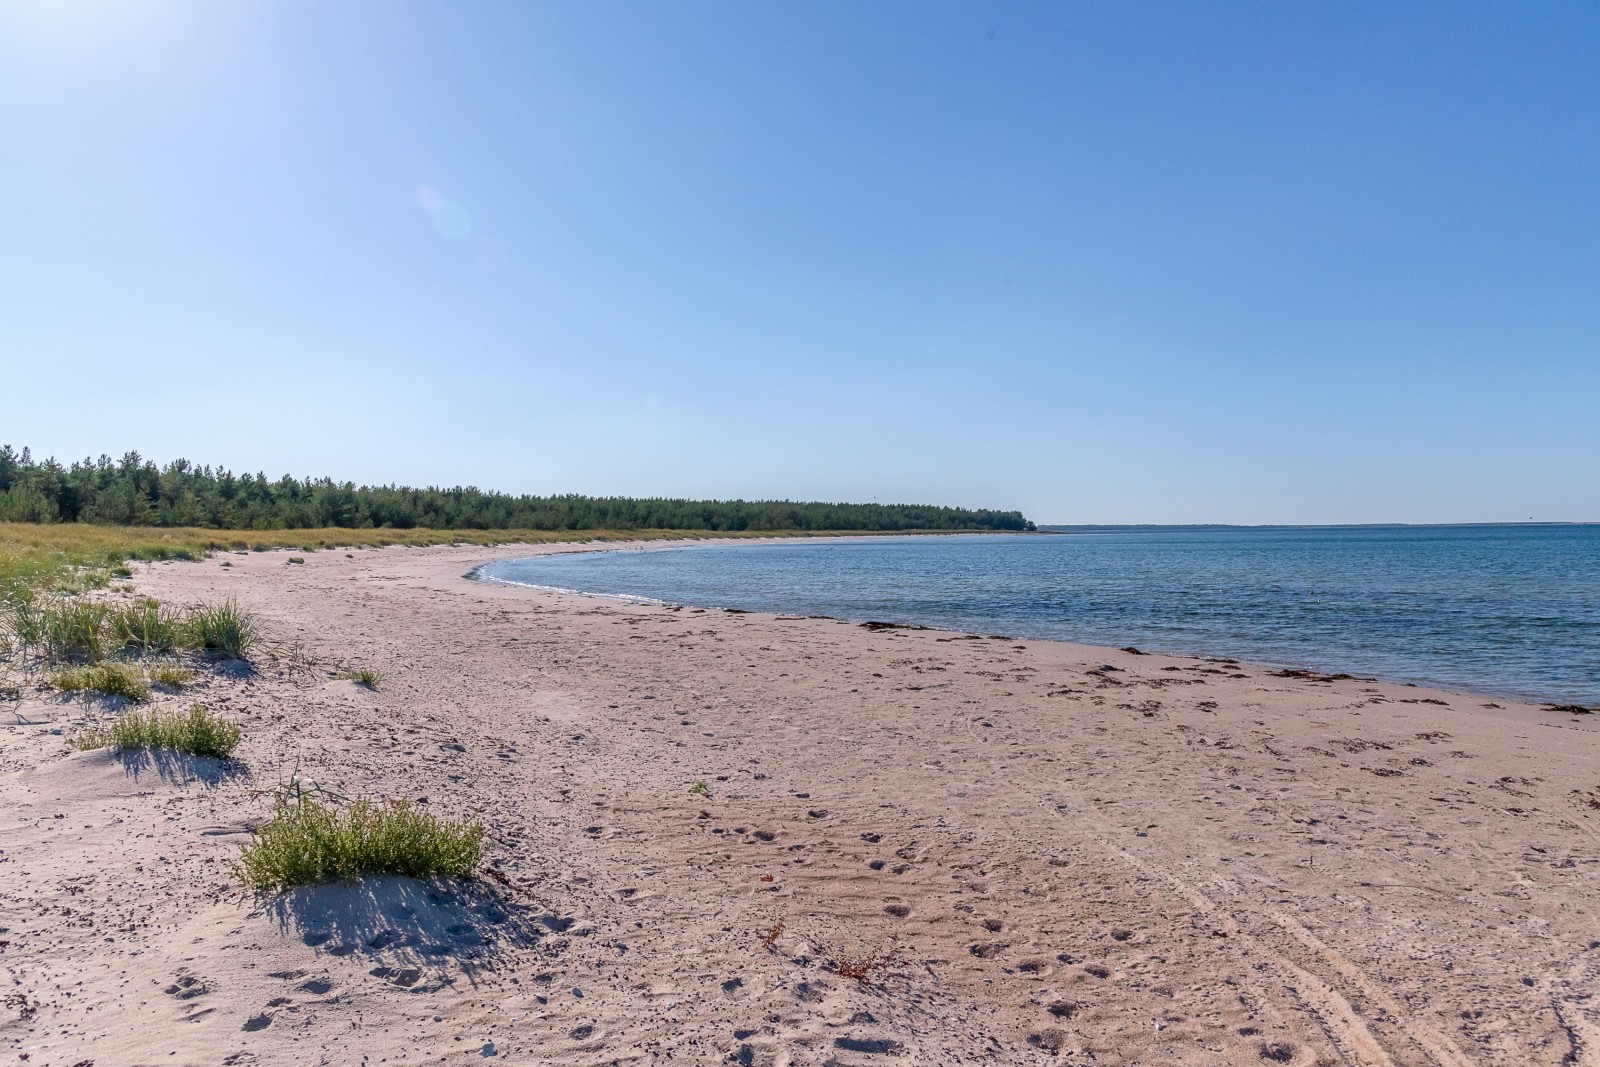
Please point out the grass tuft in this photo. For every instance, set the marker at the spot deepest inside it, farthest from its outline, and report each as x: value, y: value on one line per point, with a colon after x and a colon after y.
x: 172, y: 675
x: 366, y: 676
x: 61, y: 627
x: 111, y: 678
x: 145, y: 626
x: 308, y: 843
x: 224, y: 629
x: 197, y: 731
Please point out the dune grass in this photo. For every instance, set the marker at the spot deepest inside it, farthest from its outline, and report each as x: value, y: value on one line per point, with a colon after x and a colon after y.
x: 110, y: 678
x: 109, y: 546
x: 197, y: 731
x: 146, y: 627
x: 366, y: 676
x: 69, y: 629
x: 222, y: 629
x: 60, y: 627
x: 308, y: 843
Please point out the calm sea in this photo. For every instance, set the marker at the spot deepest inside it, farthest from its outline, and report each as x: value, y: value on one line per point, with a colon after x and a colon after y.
x: 1512, y: 610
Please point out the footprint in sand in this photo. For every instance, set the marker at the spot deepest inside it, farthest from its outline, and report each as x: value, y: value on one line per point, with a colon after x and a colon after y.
x: 187, y: 987
x: 257, y: 1022
x: 878, y: 1045
x: 404, y: 977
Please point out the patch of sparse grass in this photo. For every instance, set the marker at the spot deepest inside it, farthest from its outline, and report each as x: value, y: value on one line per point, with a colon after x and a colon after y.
x: 700, y: 788
x: 197, y: 731
x: 110, y: 678
x: 146, y: 627
x: 122, y: 570
x: 223, y: 629
x: 172, y: 675
x: 366, y: 676
x: 297, y: 559
x: 308, y: 843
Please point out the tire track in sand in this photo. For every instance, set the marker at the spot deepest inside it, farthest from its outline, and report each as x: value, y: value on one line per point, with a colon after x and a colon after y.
x: 1352, y: 1036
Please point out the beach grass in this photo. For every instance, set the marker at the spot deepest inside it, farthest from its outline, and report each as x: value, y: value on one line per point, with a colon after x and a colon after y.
x: 146, y: 627
x: 60, y: 627
x: 198, y: 732
x: 109, y: 678
x: 223, y: 629
x: 309, y: 843
x: 171, y: 675
x: 365, y: 676
x: 39, y: 549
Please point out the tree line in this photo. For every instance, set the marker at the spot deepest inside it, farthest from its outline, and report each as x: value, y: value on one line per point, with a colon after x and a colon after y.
x: 133, y: 491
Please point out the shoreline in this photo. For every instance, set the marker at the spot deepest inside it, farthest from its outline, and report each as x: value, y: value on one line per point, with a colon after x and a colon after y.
x: 1034, y: 852
x: 474, y: 574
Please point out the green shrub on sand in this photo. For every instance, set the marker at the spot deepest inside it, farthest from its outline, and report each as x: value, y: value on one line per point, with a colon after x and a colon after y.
x: 197, y: 731
x: 307, y: 842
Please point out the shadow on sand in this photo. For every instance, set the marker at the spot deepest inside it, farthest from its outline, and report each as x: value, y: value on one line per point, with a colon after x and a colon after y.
x: 180, y: 768
x: 413, y: 929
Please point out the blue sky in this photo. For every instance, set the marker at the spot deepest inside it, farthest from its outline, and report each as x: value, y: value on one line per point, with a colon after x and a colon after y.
x: 1103, y: 262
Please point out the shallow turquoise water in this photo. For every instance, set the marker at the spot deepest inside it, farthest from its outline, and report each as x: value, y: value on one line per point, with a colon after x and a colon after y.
x: 1509, y: 610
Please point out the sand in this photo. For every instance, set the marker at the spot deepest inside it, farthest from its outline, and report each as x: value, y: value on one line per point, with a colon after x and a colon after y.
x: 1032, y: 852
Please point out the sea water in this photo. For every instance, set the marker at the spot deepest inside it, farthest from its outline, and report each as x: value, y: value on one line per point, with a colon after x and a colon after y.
x: 1512, y: 610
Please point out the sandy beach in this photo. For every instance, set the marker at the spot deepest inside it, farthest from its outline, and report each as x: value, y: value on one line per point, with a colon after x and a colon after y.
x: 912, y: 846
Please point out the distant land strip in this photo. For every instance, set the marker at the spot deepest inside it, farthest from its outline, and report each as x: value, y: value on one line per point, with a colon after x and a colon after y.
x: 135, y: 492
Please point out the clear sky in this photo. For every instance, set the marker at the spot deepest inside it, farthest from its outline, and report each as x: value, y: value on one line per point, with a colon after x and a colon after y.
x: 1103, y: 262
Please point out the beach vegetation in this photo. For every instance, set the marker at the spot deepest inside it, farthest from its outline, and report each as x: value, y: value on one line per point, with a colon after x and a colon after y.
x: 109, y: 678
x: 364, y: 676
x: 700, y: 788
x: 865, y: 968
x: 146, y: 627
x: 222, y: 629
x: 60, y: 627
x: 197, y: 731
x: 309, y: 841
x: 171, y: 675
